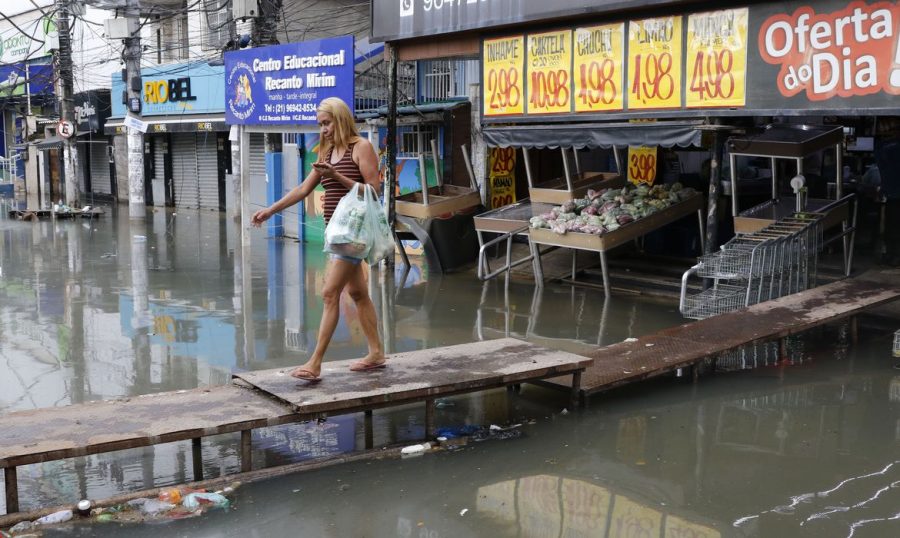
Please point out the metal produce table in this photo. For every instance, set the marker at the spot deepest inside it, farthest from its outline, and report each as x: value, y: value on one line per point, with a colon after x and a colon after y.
x: 508, y: 221
x: 610, y: 240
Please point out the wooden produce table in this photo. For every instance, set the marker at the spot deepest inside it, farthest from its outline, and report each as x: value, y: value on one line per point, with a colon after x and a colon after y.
x: 557, y: 191
x: 441, y: 200
x: 610, y: 240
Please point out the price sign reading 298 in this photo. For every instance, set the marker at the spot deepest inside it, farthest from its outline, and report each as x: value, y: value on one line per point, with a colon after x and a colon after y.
x: 503, y: 76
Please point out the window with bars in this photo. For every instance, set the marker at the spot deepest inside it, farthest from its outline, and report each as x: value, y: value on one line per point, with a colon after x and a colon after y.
x: 415, y: 140
x: 217, y: 17
x: 172, y: 39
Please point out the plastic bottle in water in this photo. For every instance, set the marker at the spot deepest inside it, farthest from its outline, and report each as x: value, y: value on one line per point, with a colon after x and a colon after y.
x: 56, y: 517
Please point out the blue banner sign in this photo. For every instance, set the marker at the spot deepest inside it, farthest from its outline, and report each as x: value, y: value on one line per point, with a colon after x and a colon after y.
x: 283, y: 84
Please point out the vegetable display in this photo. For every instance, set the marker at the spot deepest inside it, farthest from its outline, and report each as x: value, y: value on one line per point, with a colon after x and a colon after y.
x: 608, y: 209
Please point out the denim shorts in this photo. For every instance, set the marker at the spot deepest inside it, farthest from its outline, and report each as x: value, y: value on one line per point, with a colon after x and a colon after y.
x: 348, y: 259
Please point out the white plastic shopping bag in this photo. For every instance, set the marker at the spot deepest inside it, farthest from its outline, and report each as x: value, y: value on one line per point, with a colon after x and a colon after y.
x: 382, y: 238
x: 348, y: 232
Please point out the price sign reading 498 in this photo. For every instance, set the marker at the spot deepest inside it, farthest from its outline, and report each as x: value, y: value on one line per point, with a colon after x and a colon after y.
x: 716, y: 58
x: 654, y: 63
x: 503, y: 76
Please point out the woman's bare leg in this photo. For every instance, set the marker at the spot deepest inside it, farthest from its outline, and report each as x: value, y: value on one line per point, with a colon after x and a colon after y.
x: 339, y: 273
x: 358, y: 290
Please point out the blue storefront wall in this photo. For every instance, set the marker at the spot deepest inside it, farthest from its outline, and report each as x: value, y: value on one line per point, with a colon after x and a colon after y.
x: 176, y: 89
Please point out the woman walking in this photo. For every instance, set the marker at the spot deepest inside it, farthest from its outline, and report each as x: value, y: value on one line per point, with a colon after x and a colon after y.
x: 345, y: 158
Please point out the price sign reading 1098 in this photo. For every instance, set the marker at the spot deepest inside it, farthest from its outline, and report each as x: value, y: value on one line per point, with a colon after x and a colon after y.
x: 549, y: 61
x: 502, y: 73
x: 599, y: 59
x: 654, y: 63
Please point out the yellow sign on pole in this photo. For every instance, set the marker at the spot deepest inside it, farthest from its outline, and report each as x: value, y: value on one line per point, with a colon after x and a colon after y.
x: 599, y: 70
x: 716, y: 58
x: 642, y: 164
x: 549, y: 87
x: 502, y: 176
x: 654, y: 63
x: 503, y: 76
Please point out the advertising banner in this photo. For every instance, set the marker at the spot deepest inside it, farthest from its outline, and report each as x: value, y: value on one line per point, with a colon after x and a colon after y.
x: 283, y: 84
x: 598, y: 70
x: 716, y: 59
x: 29, y: 43
x: 654, y: 63
x: 503, y: 76
x: 830, y: 56
x: 826, y: 54
x: 549, y: 63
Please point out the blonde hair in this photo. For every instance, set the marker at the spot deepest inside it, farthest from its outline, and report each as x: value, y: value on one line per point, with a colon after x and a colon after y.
x: 345, y: 132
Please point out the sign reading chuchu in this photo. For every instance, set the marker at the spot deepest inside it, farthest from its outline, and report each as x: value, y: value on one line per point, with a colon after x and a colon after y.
x: 283, y: 84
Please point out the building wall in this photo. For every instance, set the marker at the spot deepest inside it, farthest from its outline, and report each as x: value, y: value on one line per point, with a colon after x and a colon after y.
x: 121, y: 157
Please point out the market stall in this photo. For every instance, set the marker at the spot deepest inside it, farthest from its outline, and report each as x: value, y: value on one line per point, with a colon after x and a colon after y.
x: 794, y: 142
x: 606, y: 240
x: 511, y: 221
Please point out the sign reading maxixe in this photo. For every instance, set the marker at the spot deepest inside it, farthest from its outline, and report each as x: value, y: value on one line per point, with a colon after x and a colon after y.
x: 851, y: 52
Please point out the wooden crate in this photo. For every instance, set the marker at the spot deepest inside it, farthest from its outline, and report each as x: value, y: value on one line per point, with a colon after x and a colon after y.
x: 555, y: 191
x: 441, y: 200
x: 624, y: 234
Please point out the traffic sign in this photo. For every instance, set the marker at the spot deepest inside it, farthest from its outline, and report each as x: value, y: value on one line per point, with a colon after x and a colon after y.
x: 65, y: 128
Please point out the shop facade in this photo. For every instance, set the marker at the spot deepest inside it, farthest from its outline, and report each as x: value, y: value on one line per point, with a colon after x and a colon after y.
x: 98, y: 177
x: 187, y: 153
x: 628, y: 82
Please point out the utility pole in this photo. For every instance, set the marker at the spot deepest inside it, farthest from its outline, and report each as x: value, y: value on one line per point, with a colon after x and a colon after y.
x: 64, y: 88
x: 137, y: 208
x: 265, y: 28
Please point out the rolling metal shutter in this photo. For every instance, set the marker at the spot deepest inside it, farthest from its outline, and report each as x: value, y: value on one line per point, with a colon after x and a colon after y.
x: 100, y: 180
x: 257, y: 198
x: 208, y: 170
x: 159, y: 159
x: 184, y: 169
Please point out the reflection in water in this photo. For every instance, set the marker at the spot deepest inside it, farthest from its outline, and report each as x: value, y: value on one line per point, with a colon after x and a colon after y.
x: 90, y: 313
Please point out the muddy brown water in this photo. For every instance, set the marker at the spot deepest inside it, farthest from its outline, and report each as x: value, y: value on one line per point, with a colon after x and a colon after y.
x: 806, y: 447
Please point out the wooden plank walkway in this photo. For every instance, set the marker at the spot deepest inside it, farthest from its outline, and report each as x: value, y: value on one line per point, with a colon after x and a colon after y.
x: 270, y: 398
x: 686, y: 345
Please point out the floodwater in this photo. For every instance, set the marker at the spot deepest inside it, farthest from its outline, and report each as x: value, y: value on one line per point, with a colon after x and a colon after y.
x: 109, y: 309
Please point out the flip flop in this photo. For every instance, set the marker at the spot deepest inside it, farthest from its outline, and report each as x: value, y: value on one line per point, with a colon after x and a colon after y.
x: 362, y: 366
x: 306, y: 375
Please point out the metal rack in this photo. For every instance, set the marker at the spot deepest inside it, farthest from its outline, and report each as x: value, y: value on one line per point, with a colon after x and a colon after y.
x: 777, y: 260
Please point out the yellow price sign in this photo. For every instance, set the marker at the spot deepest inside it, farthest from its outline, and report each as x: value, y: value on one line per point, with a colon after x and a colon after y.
x: 502, y: 176
x: 599, y: 54
x: 654, y: 63
x: 641, y: 164
x: 503, y: 75
x: 630, y: 518
x: 716, y: 58
x: 549, y: 61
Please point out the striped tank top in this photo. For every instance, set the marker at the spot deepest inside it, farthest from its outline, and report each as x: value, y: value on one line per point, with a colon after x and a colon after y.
x: 334, y: 189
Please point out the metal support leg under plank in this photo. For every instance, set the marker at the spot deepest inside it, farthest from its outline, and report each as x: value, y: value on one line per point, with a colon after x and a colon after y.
x: 246, y: 455
x: 12, y: 490
x: 197, y: 450
x: 575, y: 399
x: 854, y: 330
x: 429, y: 418
x: 370, y: 430
x: 605, y: 270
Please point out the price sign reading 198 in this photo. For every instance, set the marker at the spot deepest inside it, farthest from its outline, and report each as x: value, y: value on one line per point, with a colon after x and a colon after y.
x: 654, y: 63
